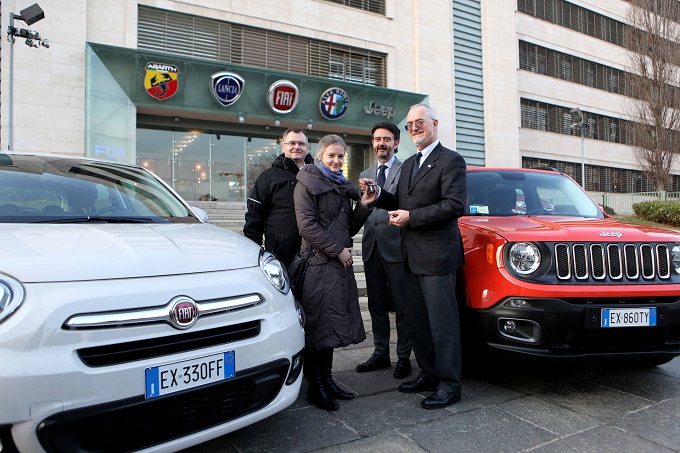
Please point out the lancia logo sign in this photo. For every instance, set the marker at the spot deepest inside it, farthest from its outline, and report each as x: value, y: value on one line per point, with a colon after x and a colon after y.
x: 333, y: 103
x: 283, y: 96
x: 183, y: 312
x: 160, y: 80
x: 226, y: 87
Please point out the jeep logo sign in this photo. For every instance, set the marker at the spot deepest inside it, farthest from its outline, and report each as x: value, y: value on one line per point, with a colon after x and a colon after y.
x: 382, y: 110
x: 614, y: 234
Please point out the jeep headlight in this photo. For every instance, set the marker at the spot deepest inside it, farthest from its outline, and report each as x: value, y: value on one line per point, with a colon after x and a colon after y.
x: 273, y: 270
x: 11, y: 296
x: 675, y: 258
x: 525, y: 257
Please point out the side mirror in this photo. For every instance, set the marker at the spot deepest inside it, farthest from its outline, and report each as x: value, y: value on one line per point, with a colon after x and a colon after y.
x: 200, y: 213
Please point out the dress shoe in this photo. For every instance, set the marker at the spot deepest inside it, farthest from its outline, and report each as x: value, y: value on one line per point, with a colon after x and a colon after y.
x: 419, y: 384
x: 375, y: 362
x: 402, y: 369
x: 440, y: 399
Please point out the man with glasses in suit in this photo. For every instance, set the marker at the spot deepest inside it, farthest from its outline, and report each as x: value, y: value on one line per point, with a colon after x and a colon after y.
x: 271, y: 210
x: 430, y: 198
x: 383, y: 266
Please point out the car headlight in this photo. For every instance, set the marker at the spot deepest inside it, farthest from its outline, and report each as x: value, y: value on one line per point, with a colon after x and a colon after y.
x: 675, y: 257
x: 525, y: 257
x: 11, y: 296
x: 274, y: 271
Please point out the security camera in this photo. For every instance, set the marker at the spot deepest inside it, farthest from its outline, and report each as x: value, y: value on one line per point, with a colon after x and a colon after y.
x: 30, y: 43
x: 45, y: 43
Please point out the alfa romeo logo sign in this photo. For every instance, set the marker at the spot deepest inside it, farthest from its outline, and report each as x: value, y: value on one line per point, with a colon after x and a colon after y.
x: 333, y: 103
x: 160, y: 80
x: 283, y: 96
x: 226, y: 87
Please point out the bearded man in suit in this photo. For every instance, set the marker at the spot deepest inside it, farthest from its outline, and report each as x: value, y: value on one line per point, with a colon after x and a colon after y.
x: 431, y: 196
x: 381, y: 252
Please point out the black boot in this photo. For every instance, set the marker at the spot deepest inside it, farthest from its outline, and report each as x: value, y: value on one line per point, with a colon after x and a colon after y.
x: 316, y: 392
x: 327, y: 377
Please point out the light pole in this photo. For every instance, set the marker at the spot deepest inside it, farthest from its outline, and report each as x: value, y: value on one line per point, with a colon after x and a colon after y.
x: 577, y: 121
x: 29, y: 16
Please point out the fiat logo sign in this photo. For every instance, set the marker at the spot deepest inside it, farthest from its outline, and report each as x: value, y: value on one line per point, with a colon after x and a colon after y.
x: 283, y: 96
x: 183, y: 313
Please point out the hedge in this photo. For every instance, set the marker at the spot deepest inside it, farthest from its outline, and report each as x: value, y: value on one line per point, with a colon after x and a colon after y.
x: 665, y: 212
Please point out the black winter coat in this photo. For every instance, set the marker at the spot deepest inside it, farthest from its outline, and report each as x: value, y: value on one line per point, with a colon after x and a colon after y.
x: 329, y: 297
x: 271, y: 210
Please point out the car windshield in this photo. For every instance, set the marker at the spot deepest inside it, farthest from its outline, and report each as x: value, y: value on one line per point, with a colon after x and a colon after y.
x: 52, y: 189
x: 513, y: 193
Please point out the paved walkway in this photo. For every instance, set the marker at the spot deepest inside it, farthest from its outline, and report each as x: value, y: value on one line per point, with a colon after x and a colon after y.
x: 517, y: 407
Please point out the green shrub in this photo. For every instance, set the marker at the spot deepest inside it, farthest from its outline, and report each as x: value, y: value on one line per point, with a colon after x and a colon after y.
x: 665, y: 212
x: 607, y: 210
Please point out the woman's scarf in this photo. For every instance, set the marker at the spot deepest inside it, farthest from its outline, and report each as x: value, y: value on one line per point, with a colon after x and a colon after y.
x: 335, y: 177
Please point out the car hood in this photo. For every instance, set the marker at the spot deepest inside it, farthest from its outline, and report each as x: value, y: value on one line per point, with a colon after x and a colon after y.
x: 35, y: 253
x: 557, y: 228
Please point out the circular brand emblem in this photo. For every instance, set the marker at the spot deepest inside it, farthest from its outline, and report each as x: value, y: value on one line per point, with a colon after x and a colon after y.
x: 283, y: 96
x: 183, y: 312
x: 226, y: 87
x: 333, y: 103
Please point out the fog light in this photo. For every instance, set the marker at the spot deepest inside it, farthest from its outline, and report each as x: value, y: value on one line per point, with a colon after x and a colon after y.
x: 296, y: 367
x: 509, y: 326
x: 518, y: 303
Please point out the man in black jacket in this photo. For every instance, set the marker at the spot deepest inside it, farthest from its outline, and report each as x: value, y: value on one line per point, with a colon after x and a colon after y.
x: 271, y: 211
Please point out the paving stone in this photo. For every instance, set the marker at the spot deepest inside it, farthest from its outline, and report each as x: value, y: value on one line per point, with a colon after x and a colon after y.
x: 671, y: 368
x: 480, y: 430
x: 374, y: 414
x: 600, y: 403
x: 659, y: 423
x: 301, y: 430
x: 388, y: 442
x: 600, y: 439
x: 645, y: 384
x: 555, y: 419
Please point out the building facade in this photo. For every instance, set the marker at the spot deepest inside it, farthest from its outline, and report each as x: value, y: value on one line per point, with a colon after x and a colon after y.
x: 200, y: 91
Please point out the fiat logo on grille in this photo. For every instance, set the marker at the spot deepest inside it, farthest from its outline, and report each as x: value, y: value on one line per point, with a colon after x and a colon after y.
x: 183, y: 313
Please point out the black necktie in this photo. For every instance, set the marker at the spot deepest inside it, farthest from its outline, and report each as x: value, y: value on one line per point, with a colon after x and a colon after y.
x: 416, y: 165
x: 381, y: 175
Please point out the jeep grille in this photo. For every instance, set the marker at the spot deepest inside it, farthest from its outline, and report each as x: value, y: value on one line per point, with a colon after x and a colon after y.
x: 582, y: 261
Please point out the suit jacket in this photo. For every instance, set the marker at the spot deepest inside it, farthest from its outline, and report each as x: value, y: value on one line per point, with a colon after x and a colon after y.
x: 435, y: 198
x: 377, y: 229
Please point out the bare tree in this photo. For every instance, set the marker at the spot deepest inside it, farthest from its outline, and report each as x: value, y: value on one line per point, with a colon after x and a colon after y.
x: 653, y: 42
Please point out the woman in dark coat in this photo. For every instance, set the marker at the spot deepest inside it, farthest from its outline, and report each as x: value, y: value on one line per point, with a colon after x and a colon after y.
x: 327, y: 221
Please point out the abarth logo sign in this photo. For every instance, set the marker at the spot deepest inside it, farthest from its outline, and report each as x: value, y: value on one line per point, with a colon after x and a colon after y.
x: 183, y: 312
x: 283, y: 96
x: 612, y: 234
x: 160, y: 80
x: 226, y: 87
x: 333, y: 103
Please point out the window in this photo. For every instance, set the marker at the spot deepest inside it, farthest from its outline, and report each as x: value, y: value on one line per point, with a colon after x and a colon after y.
x: 375, y: 6
x: 185, y: 34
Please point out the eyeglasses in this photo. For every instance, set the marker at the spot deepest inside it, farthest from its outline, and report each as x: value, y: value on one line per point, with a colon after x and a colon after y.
x: 294, y: 144
x: 384, y: 139
x: 417, y: 124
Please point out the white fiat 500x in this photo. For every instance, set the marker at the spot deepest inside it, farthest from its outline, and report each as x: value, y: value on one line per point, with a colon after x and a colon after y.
x: 126, y: 322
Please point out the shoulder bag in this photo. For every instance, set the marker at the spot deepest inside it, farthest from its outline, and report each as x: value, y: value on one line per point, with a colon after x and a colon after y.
x: 298, y: 268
